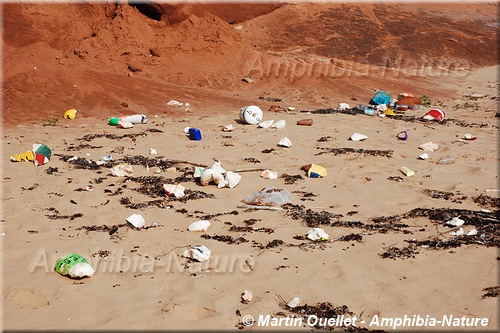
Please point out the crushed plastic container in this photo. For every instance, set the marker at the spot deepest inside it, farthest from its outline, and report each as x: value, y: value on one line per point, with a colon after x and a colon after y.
x: 74, y: 265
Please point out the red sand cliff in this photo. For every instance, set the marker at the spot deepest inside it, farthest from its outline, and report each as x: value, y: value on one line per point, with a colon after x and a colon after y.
x: 94, y: 57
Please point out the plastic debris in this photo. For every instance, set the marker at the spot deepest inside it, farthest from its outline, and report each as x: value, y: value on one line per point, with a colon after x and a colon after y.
x: 280, y: 124
x: 358, y: 137
x: 446, y: 160
x: 199, y: 226
x: 198, y: 253
x: 174, y: 190
x: 429, y: 146
x: 317, y: 234
x: 305, y: 122
x: 314, y: 170
x: 74, y: 265
x: 70, y: 114
x: 285, y: 142
x: 423, y: 156
x: 266, y: 124
x: 268, y: 197
x: 232, y: 179
x: 469, y: 137
x: 228, y: 128
x: 458, y: 232
x: 136, y: 220
x: 435, y: 114
x: 246, y: 296
x: 407, y: 171
x: 152, y: 151
x: 473, y: 232
x: 403, y: 135
x: 344, y: 106
x: 294, y: 302
x: 455, y: 222
x: 251, y: 114
x: 194, y: 134
x: 122, y: 170
x: 135, y: 119
x: 268, y: 174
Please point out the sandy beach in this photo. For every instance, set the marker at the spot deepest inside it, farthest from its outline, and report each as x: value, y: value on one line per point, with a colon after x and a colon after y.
x: 390, y: 254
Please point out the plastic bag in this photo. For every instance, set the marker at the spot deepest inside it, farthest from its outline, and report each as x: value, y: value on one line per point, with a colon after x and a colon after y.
x: 268, y: 197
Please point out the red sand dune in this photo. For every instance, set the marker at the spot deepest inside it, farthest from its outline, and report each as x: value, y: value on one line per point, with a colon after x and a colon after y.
x: 94, y: 57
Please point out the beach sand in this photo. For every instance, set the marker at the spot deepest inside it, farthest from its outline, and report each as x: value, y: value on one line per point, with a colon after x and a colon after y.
x: 376, y: 261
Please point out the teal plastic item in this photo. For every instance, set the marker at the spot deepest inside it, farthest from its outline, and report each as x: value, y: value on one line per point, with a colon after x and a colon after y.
x: 381, y: 97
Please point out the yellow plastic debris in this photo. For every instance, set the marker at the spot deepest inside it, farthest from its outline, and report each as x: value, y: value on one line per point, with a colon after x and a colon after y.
x: 70, y: 114
x: 26, y: 156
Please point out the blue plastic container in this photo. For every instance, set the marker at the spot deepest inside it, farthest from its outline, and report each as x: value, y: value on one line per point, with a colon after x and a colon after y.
x: 195, y: 134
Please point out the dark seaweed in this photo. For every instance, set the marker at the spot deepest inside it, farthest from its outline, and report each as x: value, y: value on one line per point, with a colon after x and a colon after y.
x: 341, y: 151
x: 396, y: 253
x: 226, y: 239
x: 52, y: 170
x: 454, y: 197
x: 291, y: 179
x: 309, y: 217
x: 252, y: 160
x: 492, y: 291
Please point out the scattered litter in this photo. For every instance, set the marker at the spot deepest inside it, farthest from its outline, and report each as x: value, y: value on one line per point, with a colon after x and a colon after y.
x: 201, y: 225
x: 135, y: 119
x: 469, y: 137
x: 314, y: 170
x: 266, y: 124
x: 198, y: 253
x: 381, y: 108
x: 232, y: 179
x: 173, y: 102
x: 380, y: 97
x: 344, y: 106
x: 435, y: 114
x: 473, y: 232
x: 290, y: 108
x: 251, y: 114
x: 74, y: 265
x: 285, y: 142
x: 294, y: 302
x: 247, y: 79
x: 358, y: 137
x: 407, y: 171
x: 280, y: 124
x: 136, y: 220
x: 228, y: 128
x: 70, y: 114
x: 268, y: 197
x: 122, y: 170
x: 152, y: 151
x: 174, y: 190
x: 459, y: 232
x: 446, y: 160
x: 89, y: 188
x: 40, y: 154
x: 125, y: 124
x: 429, y: 146
x: 216, y: 174
x: 317, y: 234
x: 423, y: 156
x: 268, y: 174
x: 455, y: 222
x: 403, y: 135
x: 194, y: 134
x: 305, y: 122
x: 246, y: 296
